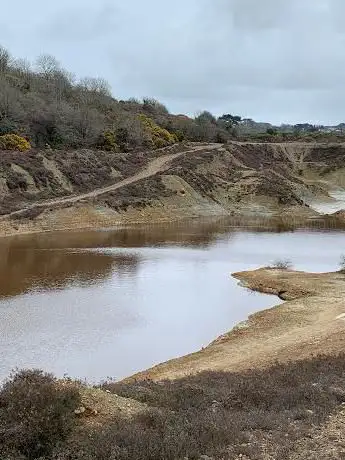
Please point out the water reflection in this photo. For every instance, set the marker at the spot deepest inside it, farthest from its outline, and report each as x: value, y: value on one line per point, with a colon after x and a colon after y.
x: 23, y: 269
x: 195, y: 233
x: 57, y: 260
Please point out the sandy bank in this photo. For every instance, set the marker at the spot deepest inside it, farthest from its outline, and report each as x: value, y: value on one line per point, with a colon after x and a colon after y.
x: 311, y: 321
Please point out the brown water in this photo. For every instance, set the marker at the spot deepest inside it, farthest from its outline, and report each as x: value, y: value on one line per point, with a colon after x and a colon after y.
x: 110, y: 303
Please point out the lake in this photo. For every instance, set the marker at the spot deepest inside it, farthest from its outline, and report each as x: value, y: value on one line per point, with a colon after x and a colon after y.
x: 104, y: 304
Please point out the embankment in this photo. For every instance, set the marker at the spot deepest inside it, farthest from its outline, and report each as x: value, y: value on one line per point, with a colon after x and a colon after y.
x: 55, y: 190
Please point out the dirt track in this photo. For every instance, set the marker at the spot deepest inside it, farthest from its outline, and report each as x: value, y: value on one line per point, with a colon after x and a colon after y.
x: 312, y: 321
x: 200, y: 180
x: 154, y: 167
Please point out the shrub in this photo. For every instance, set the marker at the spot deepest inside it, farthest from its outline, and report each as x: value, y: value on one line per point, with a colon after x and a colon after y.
x: 256, y: 414
x: 156, y: 136
x: 14, y: 142
x: 108, y: 141
x: 180, y: 136
x: 282, y: 264
x: 35, y: 414
x: 16, y: 181
x: 7, y: 127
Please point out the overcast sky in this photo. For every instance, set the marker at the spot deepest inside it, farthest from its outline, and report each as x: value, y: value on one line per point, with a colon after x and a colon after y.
x: 271, y: 60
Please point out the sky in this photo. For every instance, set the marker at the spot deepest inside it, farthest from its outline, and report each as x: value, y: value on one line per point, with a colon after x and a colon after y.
x: 281, y: 61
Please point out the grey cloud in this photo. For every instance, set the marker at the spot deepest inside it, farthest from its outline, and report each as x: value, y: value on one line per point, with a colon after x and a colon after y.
x: 270, y: 59
x: 259, y: 15
x: 81, y: 23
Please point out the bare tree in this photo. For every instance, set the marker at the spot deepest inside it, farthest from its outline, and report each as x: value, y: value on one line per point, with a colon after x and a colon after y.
x: 9, y: 101
x: 47, y: 65
x: 97, y: 85
x: 5, y: 59
x: 22, y: 69
x: 21, y: 65
x: 62, y: 84
x: 87, y: 125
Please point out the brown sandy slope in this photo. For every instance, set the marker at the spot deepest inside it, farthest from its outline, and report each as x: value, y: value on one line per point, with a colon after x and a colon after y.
x: 311, y: 322
x: 56, y: 190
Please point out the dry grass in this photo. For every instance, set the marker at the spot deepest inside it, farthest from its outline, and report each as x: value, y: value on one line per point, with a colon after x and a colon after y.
x: 138, y: 195
x: 257, y: 414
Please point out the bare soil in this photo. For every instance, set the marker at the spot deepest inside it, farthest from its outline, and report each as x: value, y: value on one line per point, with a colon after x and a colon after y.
x: 52, y: 190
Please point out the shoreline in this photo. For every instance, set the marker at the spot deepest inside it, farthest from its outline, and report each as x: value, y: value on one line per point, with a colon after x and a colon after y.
x: 87, y: 217
x: 159, y: 190
x: 309, y: 322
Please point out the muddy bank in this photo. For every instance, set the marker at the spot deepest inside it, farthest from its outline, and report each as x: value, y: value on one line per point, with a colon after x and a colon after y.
x: 309, y: 323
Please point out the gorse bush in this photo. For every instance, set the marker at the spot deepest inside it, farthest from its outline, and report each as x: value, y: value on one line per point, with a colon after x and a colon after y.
x: 36, y: 413
x: 108, y: 142
x: 14, y: 142
x: 156, y: 137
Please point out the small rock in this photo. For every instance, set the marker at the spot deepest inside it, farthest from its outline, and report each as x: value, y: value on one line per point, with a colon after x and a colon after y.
x: 86, y: 411
x: 80, y: 411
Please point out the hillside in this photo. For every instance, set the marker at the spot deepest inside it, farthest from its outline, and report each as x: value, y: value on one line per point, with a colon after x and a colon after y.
x: 54, y: 189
